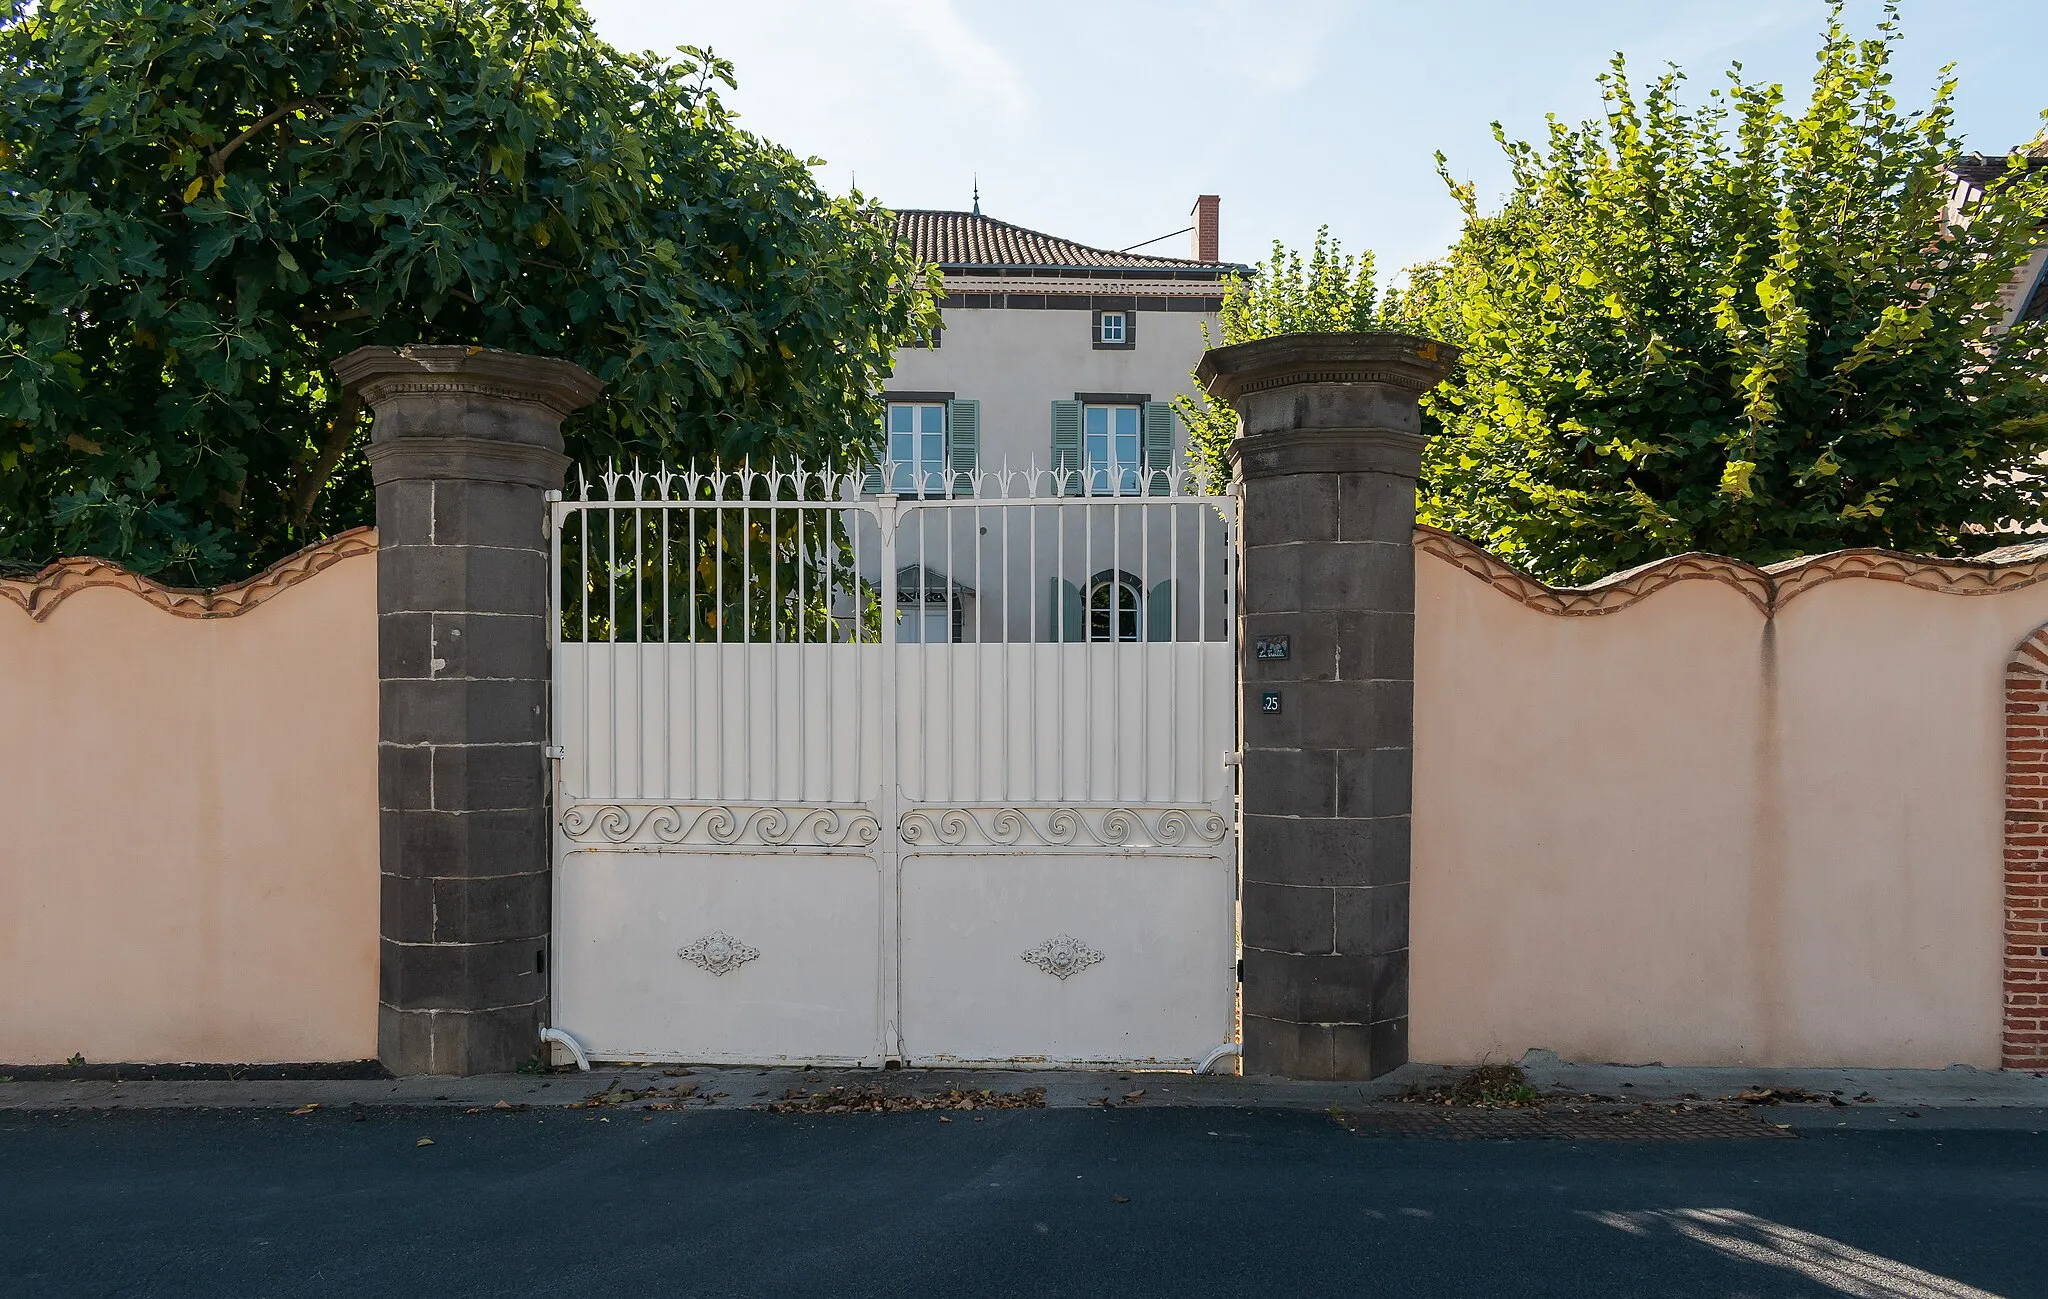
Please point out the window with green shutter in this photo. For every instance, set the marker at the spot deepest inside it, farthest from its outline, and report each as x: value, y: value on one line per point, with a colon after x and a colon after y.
x: 1066, y: 447
x: 1066, y: 617
x: 963, y: 443
x: 1158, y: 454
x: 1159, y: 612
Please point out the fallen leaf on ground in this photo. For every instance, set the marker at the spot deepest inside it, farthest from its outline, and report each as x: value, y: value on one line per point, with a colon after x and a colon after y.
x: 1137, y: 1095
x: 616, y: 1095
x: 424, y: 1141
x: 307, y: 1109
x: 1120, y: 1199
x: 874, y: 1100
x: 1776, y: 1095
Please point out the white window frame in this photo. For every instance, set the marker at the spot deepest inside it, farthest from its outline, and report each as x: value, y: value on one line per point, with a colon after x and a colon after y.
x: 1113, y: 475
x: 1125, y: 604
x: 1117, y: 321
x: 921, y: 473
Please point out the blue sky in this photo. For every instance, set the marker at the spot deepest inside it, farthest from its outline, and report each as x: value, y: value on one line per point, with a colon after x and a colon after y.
x: 1101, y: 121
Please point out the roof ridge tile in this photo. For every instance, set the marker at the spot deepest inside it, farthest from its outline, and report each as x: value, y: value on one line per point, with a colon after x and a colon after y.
x: 944, y: 237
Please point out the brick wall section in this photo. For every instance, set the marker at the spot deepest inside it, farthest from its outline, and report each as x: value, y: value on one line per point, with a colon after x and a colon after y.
x: 2026, y: 855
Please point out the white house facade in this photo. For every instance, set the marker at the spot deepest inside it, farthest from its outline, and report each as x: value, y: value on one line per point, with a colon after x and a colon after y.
x: 1055, y: 364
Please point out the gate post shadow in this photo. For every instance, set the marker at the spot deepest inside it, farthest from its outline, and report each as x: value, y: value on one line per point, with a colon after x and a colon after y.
x: 1325, y: 463
x: 465, y: 443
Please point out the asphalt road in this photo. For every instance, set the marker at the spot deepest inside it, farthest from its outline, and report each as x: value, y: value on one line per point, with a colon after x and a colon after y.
x: 1127, y: 1203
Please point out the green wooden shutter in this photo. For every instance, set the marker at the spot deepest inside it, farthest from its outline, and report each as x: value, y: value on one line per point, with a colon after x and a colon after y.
x: 1159, y: 613
x: 1068, y: 618
x: 1066, y: 447
x: 963, y: 444
x: 1155, y: 434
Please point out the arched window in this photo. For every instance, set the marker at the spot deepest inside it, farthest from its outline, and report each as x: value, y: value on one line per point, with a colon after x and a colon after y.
x: 1113, y: 612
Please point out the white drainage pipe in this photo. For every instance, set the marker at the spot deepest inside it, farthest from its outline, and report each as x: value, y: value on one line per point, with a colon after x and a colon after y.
x: 575, y: 1047
x: 1221, y: 1052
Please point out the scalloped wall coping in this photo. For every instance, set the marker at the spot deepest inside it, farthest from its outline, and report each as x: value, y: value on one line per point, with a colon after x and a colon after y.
x: 38, y: 596
x: 1769, y: 588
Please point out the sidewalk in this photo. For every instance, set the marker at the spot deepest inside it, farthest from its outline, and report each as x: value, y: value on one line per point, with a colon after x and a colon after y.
x: 1957, y: 1097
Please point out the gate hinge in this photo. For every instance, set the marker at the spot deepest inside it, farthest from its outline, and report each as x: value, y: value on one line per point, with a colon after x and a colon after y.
x: 1233, y: 758
x: 1240, y: 969
x: 555, y: 751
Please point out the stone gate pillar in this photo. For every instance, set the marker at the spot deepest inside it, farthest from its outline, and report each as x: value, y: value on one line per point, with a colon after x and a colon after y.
x: 464, y: 445
x: 1329, y: 444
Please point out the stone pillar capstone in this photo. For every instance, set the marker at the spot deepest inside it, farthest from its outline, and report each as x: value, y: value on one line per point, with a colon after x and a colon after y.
x: 1328, y: 449
x: 465, y: 443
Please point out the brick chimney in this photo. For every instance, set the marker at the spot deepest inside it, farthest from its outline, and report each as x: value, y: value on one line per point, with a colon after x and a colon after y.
x: 1202, y: 242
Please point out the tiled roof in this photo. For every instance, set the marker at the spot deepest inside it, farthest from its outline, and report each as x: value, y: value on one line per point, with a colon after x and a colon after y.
x: 1978, y: 169
x: 965, y: 239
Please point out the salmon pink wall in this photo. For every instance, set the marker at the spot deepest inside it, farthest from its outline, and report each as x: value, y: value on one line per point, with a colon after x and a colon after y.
x: 1708, y: 814
x: 188, y: 815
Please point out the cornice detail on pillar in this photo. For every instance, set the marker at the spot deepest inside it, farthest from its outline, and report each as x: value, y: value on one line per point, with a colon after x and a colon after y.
x: 40, y: 595
x: 466, y: 457
x: 1326, y: 451
x: 1402, y: 361
x: 379, y: 372
x: 1769, y: 588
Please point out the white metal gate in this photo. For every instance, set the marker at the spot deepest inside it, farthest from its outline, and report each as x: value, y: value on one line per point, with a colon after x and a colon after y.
x: 934, y: 776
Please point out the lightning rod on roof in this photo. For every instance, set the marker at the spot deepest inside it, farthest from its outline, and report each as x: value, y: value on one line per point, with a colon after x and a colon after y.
x: 977, y: 193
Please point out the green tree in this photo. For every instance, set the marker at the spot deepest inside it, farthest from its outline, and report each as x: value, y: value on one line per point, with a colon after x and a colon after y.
x: 204, y: 202
x: 1735, y: 329
x: 1332, y: 291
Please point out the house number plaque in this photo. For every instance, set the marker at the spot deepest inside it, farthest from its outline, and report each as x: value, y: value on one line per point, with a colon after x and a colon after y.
x: 1269, y: 701
x: 1271, y: 647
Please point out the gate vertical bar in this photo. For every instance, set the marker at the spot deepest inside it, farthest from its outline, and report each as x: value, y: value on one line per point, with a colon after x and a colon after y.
x: 889, y: 852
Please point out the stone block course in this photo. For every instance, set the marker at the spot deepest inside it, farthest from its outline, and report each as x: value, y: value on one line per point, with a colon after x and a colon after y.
x: 453, y: 710
x: 1312, y: 647
x: 1371, y: 919
x: 1328, y: 852
x: 1271, y: 580
x: 1376, y: 645
x: 485, y: 909
x: 1289, y: 782
x: 463, y: 976
x: 459, y: 1041
x: 461, y: 579
x: 1306, y: 989
x: 489, y: 777
x: 1376, y: 507
x: 1375, y: 782
x: 1299, y: 507
x: 488, y: 514
x: 454, y: 845
x: 1289, y: 918
x: 1357, y: 575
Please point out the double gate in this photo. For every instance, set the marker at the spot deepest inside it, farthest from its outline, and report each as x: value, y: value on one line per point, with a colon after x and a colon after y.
x: 854, y: 776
